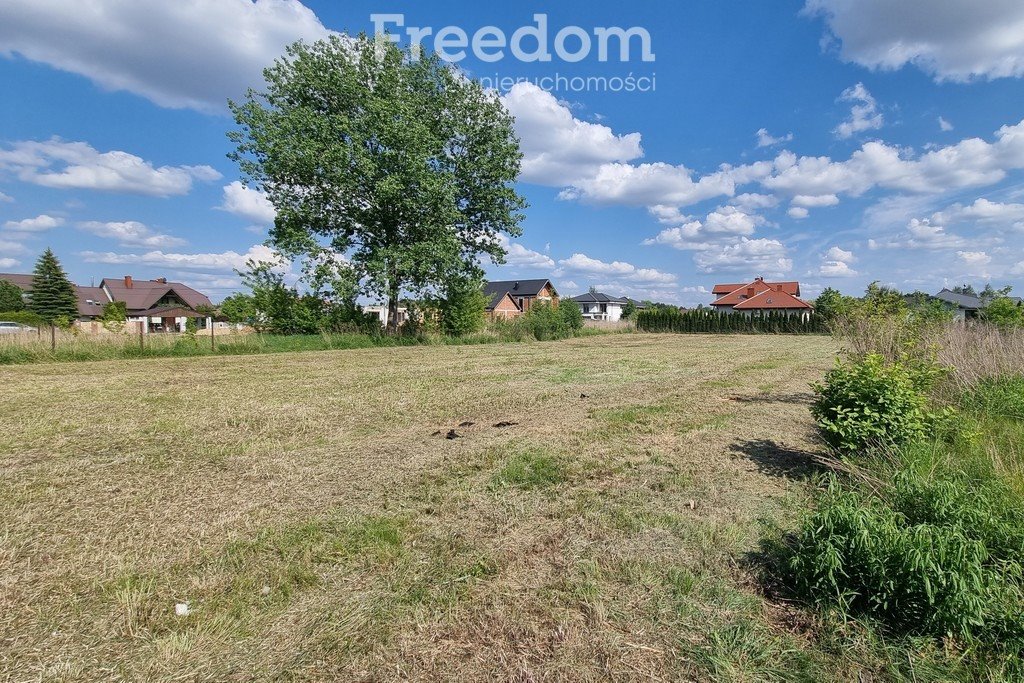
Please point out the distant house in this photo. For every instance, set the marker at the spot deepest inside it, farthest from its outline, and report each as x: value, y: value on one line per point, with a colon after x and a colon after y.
x: 598, y: 306
x: 760, y: 297
x: 966, y: 306
x: 157, y: 305
x: 512, y: 298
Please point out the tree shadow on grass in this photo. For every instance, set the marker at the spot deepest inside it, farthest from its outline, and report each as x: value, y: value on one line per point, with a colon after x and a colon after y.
x: 777, y: 460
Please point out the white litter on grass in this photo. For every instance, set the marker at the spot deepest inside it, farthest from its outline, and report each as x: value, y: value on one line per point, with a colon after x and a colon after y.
x: 265, y: 590
x: 182, y: 609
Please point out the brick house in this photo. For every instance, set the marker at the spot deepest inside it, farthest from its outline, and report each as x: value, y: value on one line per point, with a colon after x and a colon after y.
x: 759, y: 297
x: 512, y: 298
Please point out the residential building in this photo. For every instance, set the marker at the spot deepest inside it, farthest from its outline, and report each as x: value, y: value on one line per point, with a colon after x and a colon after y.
x: 522, y: 293
x: 157, y: 305
x: 760, y: 297
x: 598, y: 306
x: 966, y: 306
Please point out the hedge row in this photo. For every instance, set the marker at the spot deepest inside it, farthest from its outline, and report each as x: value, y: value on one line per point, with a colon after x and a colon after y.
x: 703, y: 321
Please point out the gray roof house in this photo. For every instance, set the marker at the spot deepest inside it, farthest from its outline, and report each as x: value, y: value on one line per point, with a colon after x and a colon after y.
x: 598, y: 306
x: 966, y: 306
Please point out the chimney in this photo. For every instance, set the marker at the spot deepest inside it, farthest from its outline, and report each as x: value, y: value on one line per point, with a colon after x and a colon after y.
x: 750, y: 292
x: 161, y: 280
x: 778, y: 288
x: 759, y: 279
x: 515, y: 287
x: 127, y: 281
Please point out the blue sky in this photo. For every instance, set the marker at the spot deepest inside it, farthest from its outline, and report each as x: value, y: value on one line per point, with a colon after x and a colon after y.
x: 828, y: 141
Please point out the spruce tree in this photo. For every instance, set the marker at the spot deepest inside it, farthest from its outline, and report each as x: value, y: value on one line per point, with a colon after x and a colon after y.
x: 52, y: 296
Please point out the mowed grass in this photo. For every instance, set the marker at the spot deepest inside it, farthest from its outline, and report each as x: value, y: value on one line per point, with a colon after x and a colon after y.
x: 318, y: 524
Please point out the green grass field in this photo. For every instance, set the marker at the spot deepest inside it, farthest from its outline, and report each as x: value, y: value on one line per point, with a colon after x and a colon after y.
x: 318, y: 524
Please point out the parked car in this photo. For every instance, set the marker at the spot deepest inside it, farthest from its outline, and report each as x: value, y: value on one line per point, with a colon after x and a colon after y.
x: 7, y: 327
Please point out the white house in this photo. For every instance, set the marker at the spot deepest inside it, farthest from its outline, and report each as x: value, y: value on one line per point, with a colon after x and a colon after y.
x: 597, y: 306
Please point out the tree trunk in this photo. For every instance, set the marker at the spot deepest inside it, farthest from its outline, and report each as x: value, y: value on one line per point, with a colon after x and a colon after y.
x: 392, y: 326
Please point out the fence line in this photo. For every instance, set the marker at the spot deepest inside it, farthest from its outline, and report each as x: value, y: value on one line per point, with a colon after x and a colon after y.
x: 701, y: 321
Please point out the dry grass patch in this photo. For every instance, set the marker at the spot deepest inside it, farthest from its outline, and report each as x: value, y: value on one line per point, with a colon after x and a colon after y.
x: 310, y: 511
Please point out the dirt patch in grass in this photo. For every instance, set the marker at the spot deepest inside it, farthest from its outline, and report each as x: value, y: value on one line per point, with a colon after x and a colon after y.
x: 309, y: 511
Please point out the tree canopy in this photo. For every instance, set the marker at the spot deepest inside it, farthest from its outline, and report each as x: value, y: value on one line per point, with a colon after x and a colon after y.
x: 11, y: 299
x: 403, y: 165
x: 52, y: 296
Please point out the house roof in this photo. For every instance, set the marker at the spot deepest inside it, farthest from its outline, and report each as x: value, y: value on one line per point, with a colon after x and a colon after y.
x: 598, y: 298
x: 496, y: 299
x: 965, y: 301
x: 772, y: 299
x: 516, y: 287
x: 142, y: 295
x: 788, y: 287
x: 90, y: 299
x: 743, y: 292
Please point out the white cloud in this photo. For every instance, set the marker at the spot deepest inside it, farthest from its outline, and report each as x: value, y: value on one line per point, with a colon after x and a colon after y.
x: 764, y: 256
x: 193, y: 54
x: 693, y: 234
x: 8, y: 247
x: 798, y: 212
x: 921, y: 234
x: 752, y: 201
x: 974, y: 258
x: 836, y: 264
x: 226, y: 262
x: 559, y: 149
x: 968, y: 163
x: 40, y: 223
x: 131, y: 234
x: 956, y: 40
x: 518, y: 255
x: 649, y: 185
x: 8, y: 263
x: 581, y: 263
x: 837, y: 254
x: 864, y: 114
x: 248, y: 203
x: 6, y: 197
x: 836, y: 269
x: 77, y: 165
x: 944, y: 125
x: 815, y: 201
x: 765, y: 139
x: 983, y: 211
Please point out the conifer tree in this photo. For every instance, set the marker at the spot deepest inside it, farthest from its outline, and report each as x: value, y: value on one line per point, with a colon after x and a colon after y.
x: 52, y: 296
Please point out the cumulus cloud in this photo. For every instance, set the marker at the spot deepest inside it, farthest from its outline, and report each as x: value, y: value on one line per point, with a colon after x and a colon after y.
x: 955, y: 40
x: 6, y: 197
x: 649, y: 185
x: 224, y: 262
x: 131, y: 234
x: 969, y: 163
x: 248, y: 203
x: 766, y: 139
x: 864, y: 114
x: 40, y: 223
x: 694, y: 234
x: 518, y: 255
x: 798, y: 212
x: 559, y: 149
x: 836, y: 263
x: 6, y: 263
x: 944, y: 125
x: 815, y: 201
x: 8, y: 247
x: 189, y: 54
x: 974, y: 258
x: 984, y: 212
x: 921, y: 234
x: 763, y: 255
x: 77, y: 165
x: 620, y: 270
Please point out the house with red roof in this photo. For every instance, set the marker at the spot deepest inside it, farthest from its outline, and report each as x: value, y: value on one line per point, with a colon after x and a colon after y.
x: 760, y: 297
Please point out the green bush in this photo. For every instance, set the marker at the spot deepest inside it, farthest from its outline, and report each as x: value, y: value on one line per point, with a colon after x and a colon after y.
x: 23, y: 317
x: 934, y: 559
x: 871, y: 403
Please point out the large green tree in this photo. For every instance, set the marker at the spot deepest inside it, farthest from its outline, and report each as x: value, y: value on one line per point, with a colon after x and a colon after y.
x: 404, y: 165
x: 11, y: 299
x: 52, y: 296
